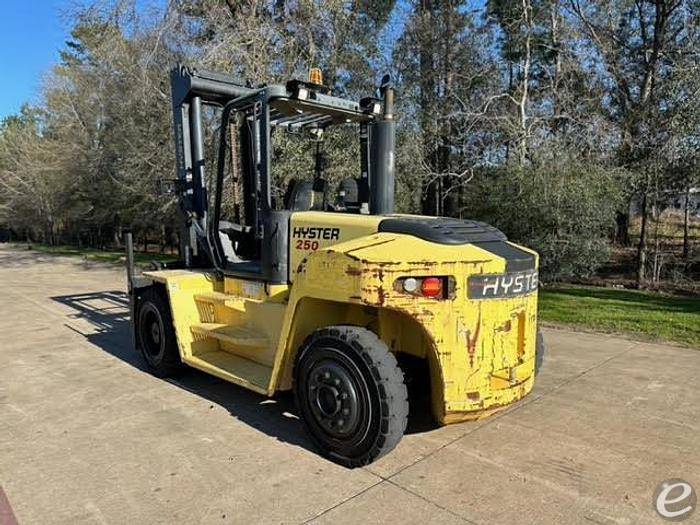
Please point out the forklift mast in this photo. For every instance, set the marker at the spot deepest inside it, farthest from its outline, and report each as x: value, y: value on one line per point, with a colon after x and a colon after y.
x: 191, y: 89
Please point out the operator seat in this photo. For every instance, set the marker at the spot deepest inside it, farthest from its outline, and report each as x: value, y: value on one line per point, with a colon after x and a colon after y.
x: 349, y: 195
x: 304, y: 195
x: 299, y: 195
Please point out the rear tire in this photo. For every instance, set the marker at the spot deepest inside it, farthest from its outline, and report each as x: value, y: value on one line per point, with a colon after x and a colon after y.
x: 155, y: 334
x: 351, y: 394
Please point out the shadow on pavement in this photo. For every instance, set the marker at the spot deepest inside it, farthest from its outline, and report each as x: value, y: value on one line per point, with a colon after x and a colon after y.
x: 108, y: 313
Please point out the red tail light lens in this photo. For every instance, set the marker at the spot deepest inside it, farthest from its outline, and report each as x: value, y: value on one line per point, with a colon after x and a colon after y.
x: 431, y: 287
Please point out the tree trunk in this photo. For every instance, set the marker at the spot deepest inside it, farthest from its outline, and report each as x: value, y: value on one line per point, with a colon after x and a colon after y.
x: 163, y: 239
x: 448, y: 203
x: 431, y: 198
x: 658, y: 258
x: 622, y: 225
x: 431, y: 189
x: 642, y: 246
x: 686, y: 224
x: 523, y: 140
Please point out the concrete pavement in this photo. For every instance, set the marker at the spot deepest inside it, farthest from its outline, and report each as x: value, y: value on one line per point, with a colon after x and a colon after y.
x: 87, y: 436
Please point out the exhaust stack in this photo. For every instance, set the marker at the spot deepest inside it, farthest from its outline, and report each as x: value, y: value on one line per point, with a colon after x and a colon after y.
x: 382, y: 155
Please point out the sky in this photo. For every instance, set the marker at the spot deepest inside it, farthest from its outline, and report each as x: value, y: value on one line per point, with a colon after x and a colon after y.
x: 31, y: 35
x: 32, y: 32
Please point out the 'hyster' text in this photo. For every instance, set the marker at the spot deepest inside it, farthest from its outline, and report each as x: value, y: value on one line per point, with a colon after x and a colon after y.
x: 505, y: 285
x: 326, y: 234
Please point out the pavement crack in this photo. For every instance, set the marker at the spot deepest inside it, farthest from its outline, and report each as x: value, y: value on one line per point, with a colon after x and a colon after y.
x: 350, y: 498
x: 427, y: 500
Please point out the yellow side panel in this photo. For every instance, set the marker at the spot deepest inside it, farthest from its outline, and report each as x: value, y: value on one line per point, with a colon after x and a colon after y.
x: 228, y: 328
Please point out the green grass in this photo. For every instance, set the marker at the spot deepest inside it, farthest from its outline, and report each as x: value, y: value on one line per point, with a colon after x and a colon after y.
x: 647, y: 315
x: 91, y: 254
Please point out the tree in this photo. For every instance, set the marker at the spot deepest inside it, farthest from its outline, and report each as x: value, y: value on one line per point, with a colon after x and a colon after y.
x: 443, y: 79
x: 31, y: 179
x: 639, y: 47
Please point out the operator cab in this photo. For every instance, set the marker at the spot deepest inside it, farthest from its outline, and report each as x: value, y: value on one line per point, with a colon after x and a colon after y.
x: 239, y: 217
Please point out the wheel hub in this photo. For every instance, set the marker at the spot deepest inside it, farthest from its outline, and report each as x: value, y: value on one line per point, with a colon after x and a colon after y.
x: 333, y: 398
x: 155, y: 333
x: 328, y: 400
x: 151, y: 332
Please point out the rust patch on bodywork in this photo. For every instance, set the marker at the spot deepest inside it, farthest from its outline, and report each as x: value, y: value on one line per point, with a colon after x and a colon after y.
x: 381, y: 295
x: 353, y: 271
x: 471, y: 341
x: 300, y: 268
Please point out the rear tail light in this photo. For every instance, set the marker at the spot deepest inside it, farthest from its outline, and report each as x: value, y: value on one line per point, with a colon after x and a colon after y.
x: 431, y: 287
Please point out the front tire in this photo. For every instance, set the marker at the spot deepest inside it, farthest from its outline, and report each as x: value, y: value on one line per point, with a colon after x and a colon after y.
x: 351, y: 394
x: 156, y: 335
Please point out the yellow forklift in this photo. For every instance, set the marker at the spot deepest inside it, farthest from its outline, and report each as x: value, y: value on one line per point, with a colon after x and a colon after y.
x: 322, y: 291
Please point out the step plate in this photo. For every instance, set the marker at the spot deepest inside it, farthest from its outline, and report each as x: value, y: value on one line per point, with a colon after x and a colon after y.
x: 235, y: 335
x: 227, y: 300
x: 233, y: 368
